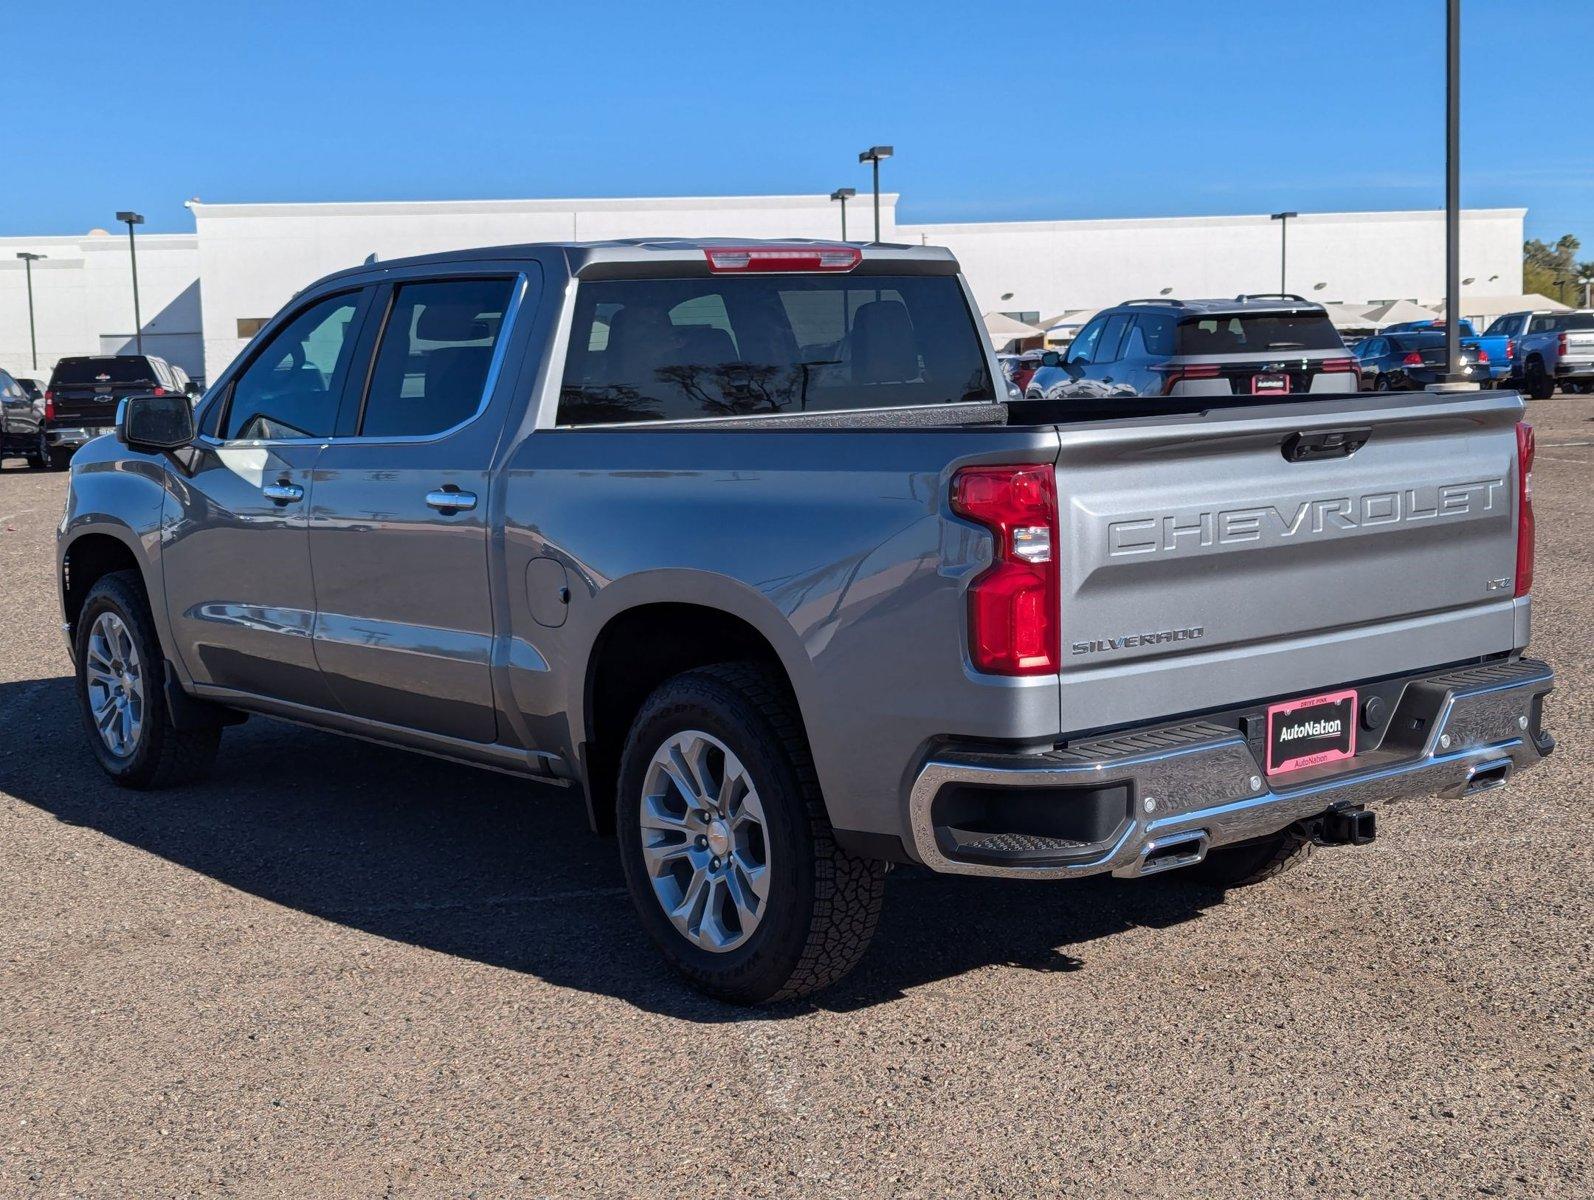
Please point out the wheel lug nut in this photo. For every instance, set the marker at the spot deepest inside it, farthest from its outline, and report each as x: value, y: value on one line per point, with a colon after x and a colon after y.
x: 702, y: 842
x: 716, y: 864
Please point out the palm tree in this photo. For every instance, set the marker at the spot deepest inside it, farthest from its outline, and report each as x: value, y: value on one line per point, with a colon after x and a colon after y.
x: 1585, y: 276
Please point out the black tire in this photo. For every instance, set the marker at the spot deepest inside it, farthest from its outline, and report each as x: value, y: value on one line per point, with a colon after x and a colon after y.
x: 161, y: 755
x: 1381, y: 384
x: 1540, y: 385
x: 39, y: 460
x: 60, y: 460
x: 1247, y: 863
x: 823, y: 904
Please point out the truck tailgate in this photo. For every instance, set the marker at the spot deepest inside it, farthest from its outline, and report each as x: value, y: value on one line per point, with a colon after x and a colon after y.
x: 1195, y: 543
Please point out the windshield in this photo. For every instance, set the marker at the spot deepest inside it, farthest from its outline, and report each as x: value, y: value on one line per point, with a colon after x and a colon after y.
x: 1257, y: 332
x: 724, y: 346
x: 87, y: 372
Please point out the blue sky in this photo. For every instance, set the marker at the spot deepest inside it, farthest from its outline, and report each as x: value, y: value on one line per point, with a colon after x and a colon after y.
x: 1099, y: 109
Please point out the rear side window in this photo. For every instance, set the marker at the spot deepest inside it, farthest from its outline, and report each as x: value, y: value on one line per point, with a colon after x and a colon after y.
x: 290, y: 389
x: 724, y: 346
x: 1260, y: 333
x: 101, y: 370
x: 1577, y: 320
x: 431, y: 366
x: 1156, y: 330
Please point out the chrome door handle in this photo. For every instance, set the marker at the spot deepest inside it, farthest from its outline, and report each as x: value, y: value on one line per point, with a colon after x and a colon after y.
x: 445, y: 501
x: 282, y: 493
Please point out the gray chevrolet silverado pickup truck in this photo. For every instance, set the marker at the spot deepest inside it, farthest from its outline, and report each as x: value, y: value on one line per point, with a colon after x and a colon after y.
x: 743, y: 544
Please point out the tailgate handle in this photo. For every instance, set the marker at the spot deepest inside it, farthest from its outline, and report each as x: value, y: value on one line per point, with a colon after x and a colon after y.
x: 1310, y: 444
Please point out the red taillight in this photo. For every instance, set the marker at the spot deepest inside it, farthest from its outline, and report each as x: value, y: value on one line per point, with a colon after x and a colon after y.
x: 782, y: 258
x: 1412, y: 360
x: 1510, y: 349
x: 1524, y: 508
x: 1013, y: 604
x: 1343, y: 366
x: 1560, y: 343
x: 1483, y: 355
x: 49, y: 406
x: 160, y: 391
x: 1176, y: 373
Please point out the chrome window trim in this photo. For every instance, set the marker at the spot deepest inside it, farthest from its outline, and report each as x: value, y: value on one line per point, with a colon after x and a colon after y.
x: 521, y: 285
x: 738, y: 418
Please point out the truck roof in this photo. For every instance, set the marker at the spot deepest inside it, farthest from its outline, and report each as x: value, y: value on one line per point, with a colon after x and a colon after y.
x: 672, y: 253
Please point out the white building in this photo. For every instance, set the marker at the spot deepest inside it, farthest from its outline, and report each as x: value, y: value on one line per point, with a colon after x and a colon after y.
x: 254, y: 257
x: 83, y: 298
x: 1046, y: 267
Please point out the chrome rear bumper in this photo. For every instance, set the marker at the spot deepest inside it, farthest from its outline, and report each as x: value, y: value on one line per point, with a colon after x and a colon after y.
x: 74, y: 435
x: 1197, y: 786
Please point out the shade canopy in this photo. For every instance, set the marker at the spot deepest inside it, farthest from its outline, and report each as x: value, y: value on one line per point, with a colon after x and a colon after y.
x: 1067, y: 324
x: 1398, y: 312
x: 1004, y: 329
x: 1494, y: 306
x: 1349, y: 316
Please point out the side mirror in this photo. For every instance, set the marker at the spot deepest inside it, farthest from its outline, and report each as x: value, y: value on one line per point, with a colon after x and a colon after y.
x: 192, y: 390
x: 1051, y: 359
x: 154, y: 423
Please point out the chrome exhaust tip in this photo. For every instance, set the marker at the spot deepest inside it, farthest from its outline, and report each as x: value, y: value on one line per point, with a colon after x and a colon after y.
x: 1167, y: 854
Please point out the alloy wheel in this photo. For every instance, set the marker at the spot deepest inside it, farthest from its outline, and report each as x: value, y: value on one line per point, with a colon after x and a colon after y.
x: 114, y: 677
x: 705, y: 841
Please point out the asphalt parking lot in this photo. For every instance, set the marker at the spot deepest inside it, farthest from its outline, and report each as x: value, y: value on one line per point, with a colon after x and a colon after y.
x: 339, y: 970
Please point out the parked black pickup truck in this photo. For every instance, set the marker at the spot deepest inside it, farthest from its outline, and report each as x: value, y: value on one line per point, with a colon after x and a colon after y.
x: 84, y: 392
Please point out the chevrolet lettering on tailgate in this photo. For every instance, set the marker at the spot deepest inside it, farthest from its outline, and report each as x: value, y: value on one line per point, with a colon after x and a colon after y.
x: 1189, y: 528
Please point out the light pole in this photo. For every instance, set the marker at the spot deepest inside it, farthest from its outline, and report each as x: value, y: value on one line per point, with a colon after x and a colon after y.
x: 844, y: 195
x: 1283, y: 218
x: 28, y: 259
x: 131, y: 219
x: 1453, y: 372
x: 874, y: 155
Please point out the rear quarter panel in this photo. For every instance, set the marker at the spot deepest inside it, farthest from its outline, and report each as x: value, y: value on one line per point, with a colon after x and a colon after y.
x: 836, y: 545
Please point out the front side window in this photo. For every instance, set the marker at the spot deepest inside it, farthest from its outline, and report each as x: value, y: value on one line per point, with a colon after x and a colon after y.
x: 289, y: 390
x: 725, y: 346
x: 431, y: 367
x: 1084, y: 346
x: 1112, y: 336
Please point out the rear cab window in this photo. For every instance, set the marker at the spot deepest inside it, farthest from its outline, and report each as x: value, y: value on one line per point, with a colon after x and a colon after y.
x: 747, y: 345
x: 100, y: 370
x: 1257, y: 333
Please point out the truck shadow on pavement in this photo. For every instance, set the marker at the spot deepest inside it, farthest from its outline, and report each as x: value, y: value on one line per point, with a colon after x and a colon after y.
x: 504, y: 872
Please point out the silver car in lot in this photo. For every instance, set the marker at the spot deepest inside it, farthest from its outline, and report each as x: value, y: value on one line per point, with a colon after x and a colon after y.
x: 1261, y: 345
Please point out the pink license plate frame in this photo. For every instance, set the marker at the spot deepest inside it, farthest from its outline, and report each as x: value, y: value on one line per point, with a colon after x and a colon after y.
x: 1340, y: 705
